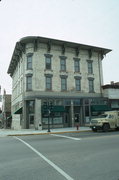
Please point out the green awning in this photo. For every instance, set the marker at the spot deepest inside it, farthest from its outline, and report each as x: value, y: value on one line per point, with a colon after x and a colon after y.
x: 100, y: 108
x: 54, y: 109
x: 19, y: 111
x: 58, y: 109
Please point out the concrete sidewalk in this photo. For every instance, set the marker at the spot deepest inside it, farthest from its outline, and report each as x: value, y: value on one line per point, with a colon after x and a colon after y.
x: 23, y: 132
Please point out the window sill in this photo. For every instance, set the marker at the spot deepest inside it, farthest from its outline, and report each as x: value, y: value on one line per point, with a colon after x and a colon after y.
x: 27, y: 90
x: 61, y: 71
x: 77, y: 72
x: 48, y: 70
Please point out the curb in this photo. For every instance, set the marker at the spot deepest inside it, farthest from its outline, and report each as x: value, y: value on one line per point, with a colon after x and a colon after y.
x: 30, y: 134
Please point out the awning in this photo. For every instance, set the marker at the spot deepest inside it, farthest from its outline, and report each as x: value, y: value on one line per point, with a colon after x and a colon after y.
x: 58, y: 109
x: 19, y: 111
x: 100, y: 108
x: 54, y: 109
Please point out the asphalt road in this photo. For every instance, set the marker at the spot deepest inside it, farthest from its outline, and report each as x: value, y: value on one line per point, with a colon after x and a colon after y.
x: 71, y: 156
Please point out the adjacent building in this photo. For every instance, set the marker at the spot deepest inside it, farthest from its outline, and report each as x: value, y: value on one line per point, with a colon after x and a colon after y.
x: 111, y: 91
x: 6, y: 110
x: 55, y: 82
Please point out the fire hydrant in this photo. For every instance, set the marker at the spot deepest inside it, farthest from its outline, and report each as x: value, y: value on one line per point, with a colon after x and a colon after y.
x: 77, y: 127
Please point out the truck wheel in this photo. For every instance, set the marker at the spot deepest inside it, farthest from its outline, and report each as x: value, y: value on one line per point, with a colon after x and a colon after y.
x: 117, y: 128
x: 94, y: 130
x: 105, y: 127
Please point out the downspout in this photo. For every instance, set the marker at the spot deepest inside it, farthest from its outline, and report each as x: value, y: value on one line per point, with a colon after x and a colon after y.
x: 100, y: 74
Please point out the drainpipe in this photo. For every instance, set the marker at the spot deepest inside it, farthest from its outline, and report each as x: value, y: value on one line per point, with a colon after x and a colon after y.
x: 99, y: 74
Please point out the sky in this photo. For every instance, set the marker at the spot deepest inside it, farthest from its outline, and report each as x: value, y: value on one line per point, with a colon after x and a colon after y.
x: 92, y: 22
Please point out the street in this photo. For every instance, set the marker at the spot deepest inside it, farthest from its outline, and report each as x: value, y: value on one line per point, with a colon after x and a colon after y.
x: 72, y: 156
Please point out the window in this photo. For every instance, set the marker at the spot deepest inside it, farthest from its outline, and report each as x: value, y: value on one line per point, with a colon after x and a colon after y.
x: 63, y: 83
x: 48, y: 82
x: 76, y: 65
x: 91, y: 85
x: 90, y: 67
x: 78, y: 84
x: 48, y: 61
x: 29, y: 61
x: 63, y: 65
x: 29, y: 83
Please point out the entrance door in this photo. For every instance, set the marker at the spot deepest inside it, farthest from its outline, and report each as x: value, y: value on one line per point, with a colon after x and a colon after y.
x: 77, y: 118
x: 31, y: 121
x: 66, y: 120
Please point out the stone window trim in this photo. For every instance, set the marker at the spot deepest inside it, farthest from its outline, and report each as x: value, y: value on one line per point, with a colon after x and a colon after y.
x: 29, y: 54
x: 48, y: 75
x: 76, y: 59
x: 64, y: 76
x: 90, y: 78
x: 89, y: 60
x: 63, y: 57
x: 29, y: 75
x: 48, y: 55
x: 77, y: 77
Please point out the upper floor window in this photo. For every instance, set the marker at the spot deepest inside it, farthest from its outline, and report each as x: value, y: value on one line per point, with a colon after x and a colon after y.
x: 62, y: 63
x: 78, y: 84
x: 29, y: 61
x: 29, y: 82
x: 91, y: 85
x: 48, y: 82
x: 90, y: 67
x: 63, y: 83
x: 76, y: 65
x: 48, y: 64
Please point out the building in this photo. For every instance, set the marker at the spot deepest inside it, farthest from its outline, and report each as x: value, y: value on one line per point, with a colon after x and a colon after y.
x: 6, y: 110
x: 111, y: 91
x: 55, y: 82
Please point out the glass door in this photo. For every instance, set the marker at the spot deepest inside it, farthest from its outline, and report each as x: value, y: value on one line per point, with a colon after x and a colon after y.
x: 31, y: 121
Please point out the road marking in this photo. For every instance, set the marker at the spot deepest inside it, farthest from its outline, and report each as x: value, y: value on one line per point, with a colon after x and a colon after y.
x: 47, y: 160
x: 77, y: 139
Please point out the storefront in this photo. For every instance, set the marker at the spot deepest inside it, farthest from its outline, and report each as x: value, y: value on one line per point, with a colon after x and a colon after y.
x: 62, y: 112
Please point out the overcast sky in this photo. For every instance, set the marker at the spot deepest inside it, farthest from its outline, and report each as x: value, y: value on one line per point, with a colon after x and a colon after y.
x: 92, y: 22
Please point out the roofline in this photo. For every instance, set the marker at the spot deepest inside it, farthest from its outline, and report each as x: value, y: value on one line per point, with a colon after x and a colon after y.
x: 110, y: 86
x: 69, y: 43
x: 20, y: 47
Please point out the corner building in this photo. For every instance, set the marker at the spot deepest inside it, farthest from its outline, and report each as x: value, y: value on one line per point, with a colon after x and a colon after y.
x: 66, y: 76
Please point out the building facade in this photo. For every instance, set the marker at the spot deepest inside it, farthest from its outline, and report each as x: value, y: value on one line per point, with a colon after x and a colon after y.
x: 6, y: 110
x: 55, y: 82
x: 111, y: 91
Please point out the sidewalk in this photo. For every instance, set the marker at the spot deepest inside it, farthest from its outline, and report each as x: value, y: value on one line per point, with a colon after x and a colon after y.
x: 23, y: 132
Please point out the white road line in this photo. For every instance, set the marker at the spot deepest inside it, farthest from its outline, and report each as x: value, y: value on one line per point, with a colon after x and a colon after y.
x: 77, y: 139
x: 47, y: 160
